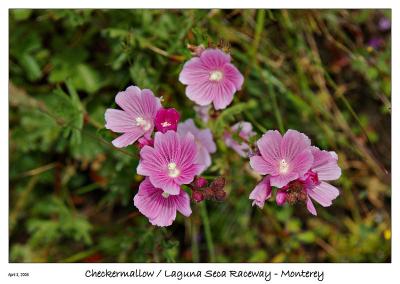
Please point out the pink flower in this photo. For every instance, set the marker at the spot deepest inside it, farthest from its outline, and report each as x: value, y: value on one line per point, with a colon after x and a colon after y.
x: 261, y: 192
x: 204, y: 142
x: 167, y: 119
x: 245, y: 131
x: 139, y: 108
x: 324, y: 168
x: 284, y: 158
x: 211, y: 78
x: 171, y: 163
x: 159, y: 206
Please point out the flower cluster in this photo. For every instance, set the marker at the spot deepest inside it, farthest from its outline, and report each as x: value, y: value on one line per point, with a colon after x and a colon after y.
x: 298, y: 170
x: 173, y: 153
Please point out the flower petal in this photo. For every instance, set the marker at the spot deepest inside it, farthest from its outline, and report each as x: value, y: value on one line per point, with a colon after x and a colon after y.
x: 193, y: 71
x: 232, y: 74
x: 261, y: 166
x: 310, y: 207
x: 325, y: 164
x: 270, y: 145
x: 214, y: 58
x: 223, y: 93
x: 182, y: 203
x: 293, y: 143
x: 126, y: 139
x: 119, y: 121
x: 323, y: 193
x: 261, y: 192
x: 283, y: 179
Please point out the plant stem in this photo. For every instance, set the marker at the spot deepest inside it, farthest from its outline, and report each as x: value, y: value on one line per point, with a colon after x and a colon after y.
x: 277, y: 112
x: 207, y: 231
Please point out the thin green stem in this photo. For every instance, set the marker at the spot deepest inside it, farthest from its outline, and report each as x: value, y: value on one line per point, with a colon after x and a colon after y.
x: 207, y: 231
x: 277, y: 112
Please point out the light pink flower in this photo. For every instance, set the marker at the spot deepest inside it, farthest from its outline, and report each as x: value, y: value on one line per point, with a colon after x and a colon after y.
x: 204, y: 142
x: 167, y: 119
x: 159, y: 206
x: 284, y: 158
x: 245, y: 131
x: 171, y: 163
x: 211, y: 78
x: 136, y: 119
x: 324, y: 168
x: 261, y: 192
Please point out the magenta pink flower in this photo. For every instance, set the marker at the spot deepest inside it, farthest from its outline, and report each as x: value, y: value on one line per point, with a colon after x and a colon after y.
x: 171, y: 163
x: 245, y: 132
x: 211, y: 78
x: 159, y: 206
x: 204, y: 142
x: 139, y: 108
x: 261, y: 192
x: 167, y: 119
x: 284, y: 158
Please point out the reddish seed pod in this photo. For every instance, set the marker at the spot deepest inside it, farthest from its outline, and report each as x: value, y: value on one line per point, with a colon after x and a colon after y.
x: 218, y: 183
x: 219, y: 195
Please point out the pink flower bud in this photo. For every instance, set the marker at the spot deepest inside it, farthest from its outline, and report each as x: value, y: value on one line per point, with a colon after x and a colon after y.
x: 197, y: 196
x: 200, y: 182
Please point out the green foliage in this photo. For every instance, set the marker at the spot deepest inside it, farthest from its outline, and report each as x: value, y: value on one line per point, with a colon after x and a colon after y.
x: 71, y: 191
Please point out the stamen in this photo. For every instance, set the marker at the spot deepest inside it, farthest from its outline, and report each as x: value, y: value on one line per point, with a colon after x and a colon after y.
x: 283, y: 167
x: 172, y: 170
x: 140, y: 121
x: 165, y: 194
x: 216, y: 75
x: 165, y: 124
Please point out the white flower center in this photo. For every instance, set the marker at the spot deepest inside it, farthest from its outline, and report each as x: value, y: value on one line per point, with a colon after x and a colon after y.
x: 165, y: 194
x: 216, y: 75
x: 165, y: 124
x: 283, y: 167
x: 172, y: 170
x: 140, y: 121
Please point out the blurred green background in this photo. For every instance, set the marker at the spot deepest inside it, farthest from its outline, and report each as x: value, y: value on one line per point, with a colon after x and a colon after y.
x: 323, y: 72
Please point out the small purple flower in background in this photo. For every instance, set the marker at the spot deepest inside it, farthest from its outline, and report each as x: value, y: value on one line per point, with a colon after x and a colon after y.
x: 261, y: 192
x: 159, y: 206
x: 136, y: 119
x: 171, y: 163
x: 375, y: 42
x: 167, y: 119
x: 203, y: 112
x: 245, y: 132
x: 384, y: 24
x: 284, y: 158
x: 204, y: 142
x: 211, y: 78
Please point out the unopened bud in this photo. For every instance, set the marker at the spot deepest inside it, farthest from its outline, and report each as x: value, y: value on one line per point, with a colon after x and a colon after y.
x: 200, y: 182
x: 197, y: 196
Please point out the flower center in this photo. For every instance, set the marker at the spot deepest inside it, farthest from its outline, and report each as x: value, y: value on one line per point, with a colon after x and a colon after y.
x: 165, y: 194
x: 283, y: 167
x: 165, y: 124
x: 216, y: 75
x: 172, y: 170
x: 140, y: 121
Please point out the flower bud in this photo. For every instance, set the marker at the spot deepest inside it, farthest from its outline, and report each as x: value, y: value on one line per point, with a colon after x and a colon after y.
x: 197, y: 196
x: 218, y: 183
x: 200, y: 182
